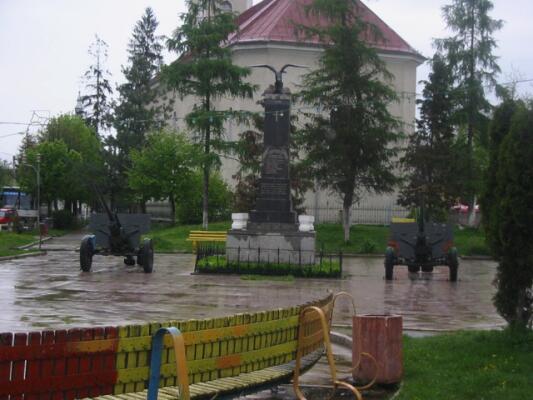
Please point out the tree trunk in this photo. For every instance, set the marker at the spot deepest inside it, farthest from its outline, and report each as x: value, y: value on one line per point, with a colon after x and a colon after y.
x: 471, y: 222
x: 346, y: 217
x: 172, y: 208
x: 142, y: 205
x: 207, y: 164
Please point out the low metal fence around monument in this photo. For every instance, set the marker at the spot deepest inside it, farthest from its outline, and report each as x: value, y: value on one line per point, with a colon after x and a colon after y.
x: 213, y: 258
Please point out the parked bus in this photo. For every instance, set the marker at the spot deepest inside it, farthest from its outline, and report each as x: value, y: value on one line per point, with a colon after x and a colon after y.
x: 12, y: 197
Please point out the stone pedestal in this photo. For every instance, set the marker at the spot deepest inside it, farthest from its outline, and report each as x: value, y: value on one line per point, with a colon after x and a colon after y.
x: 271, y: 244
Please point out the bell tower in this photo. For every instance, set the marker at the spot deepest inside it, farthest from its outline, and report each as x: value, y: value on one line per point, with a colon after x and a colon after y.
x: 237, y: 6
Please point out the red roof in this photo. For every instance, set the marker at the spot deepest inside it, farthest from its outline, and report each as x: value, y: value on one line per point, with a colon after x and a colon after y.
x: 274, y: 21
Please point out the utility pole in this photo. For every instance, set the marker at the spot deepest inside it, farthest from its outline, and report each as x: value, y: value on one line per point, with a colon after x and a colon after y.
x: 37, y: 170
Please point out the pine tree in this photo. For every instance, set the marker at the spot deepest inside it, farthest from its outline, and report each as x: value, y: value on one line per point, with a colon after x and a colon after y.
x: 137, y: 111
x: 352, y: 150
x: 432, y: 178
x: 470, y: 54
x: 205, y: 70
x: 97, y: 102
x: 511, y: 227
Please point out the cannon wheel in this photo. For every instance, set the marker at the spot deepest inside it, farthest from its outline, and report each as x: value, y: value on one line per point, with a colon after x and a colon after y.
x: 453, y: 263
x: 129, y: 260
x: 413, y: 269
x: 86, y: 254
x: 389, y: 263
x: 146, y: 256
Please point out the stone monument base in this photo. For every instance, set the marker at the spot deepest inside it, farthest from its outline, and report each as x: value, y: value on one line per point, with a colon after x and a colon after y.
x: 271, y: 243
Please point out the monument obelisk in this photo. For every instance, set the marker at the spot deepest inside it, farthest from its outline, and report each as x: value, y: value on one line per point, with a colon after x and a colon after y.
x: 272, y: 233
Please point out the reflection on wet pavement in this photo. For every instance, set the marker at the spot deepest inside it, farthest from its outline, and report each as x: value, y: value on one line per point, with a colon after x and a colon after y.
x: 50, y: 292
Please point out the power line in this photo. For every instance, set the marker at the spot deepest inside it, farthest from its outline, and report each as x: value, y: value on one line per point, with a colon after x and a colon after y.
x: 21, y: 123
x: 12, y: 134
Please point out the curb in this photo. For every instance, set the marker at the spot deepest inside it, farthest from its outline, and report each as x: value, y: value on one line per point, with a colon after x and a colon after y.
x: 26, y: 255
x: 478, y: 258
x: 36, y: 243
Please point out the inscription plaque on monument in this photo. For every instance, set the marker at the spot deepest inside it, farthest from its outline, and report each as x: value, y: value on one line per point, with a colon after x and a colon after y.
x: 274, y: 204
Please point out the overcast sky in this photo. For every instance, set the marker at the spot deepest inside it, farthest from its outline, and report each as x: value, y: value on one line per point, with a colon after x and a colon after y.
x: 43, y: 47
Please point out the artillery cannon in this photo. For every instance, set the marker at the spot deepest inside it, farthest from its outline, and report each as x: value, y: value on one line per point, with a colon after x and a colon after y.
x: 117, y: 235
x: 421, y: 245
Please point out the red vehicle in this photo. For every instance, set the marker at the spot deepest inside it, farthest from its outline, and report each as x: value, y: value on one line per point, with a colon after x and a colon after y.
x: 7, y: 215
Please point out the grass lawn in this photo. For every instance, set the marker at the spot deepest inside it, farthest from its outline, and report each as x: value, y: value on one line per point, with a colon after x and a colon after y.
x: 169, y: 239
x: 469, y: 365
x: 364, y: 239
x: 10, y: 240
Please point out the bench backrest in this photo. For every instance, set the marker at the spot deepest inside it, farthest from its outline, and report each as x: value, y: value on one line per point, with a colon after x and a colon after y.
x: 89, y: 362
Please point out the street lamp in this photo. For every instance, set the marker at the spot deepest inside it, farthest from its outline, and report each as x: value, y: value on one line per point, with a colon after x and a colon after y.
x: 37, y: 170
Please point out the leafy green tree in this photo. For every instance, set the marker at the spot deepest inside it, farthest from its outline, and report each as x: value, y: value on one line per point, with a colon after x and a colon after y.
x: 97, y: 101
x: 432, y: 176
x: 189, y: 209
x: 78, y: 137
x: 470, y: 53
x: 164, y: 168
x: 205, y: 70
x: 59, y: 171
x: 352, y: 150
x: 137, y: 111
x: 511, y: 219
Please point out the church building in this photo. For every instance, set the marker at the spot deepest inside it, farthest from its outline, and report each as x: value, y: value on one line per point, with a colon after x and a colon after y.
x: 266, y: 35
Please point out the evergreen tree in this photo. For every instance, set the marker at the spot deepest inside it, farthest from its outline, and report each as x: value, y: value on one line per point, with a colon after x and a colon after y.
x: 352, y: 150
x: 470, y: 54
x: 432, y: 176
x: 137, y: 111
x: 511, y: 227
x: 499, y: 128
x: 205, y: 70
x: 5, y: 173
x: 97, y: 102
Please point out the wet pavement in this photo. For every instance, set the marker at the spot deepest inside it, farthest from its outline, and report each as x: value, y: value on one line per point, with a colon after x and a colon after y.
x: 50, y: 292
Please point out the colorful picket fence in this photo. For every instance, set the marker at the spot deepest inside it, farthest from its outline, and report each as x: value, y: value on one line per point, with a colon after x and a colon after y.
x: 80, y: 363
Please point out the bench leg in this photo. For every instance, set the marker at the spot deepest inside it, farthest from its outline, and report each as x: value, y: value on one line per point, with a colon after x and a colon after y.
x: 324, y: 323
x: 181, y: 363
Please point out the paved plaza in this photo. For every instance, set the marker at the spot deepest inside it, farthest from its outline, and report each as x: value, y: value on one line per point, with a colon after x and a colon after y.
x: 50, y: 292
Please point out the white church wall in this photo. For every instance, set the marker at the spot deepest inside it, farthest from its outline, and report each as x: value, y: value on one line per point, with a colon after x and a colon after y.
x: 372, y: 208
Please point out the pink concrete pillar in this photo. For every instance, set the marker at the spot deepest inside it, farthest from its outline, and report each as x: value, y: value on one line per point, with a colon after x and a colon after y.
x: 380, y: 336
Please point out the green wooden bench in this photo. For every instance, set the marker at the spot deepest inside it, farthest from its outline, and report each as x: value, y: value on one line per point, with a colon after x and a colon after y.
x: 206, y: 236
x: 223, y: 356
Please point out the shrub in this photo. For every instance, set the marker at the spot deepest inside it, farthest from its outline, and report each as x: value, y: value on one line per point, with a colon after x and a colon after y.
x: 219, y: 264
x: 367, y: 247
x: 64, y: 219
x: 189, y: 210
x: 511, y: 225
